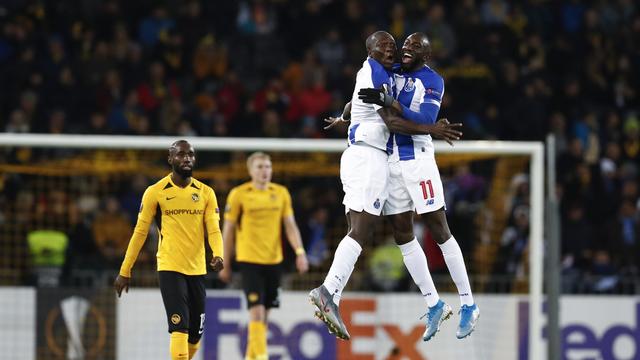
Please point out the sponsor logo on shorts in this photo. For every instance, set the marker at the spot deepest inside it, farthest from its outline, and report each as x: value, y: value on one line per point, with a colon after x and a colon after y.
x: 175, y: 319
x: 430, y: 201
x: 195, y: 197
x: 376, y: 204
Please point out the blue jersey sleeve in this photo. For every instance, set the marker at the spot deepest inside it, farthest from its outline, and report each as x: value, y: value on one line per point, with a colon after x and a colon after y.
x: 430, y: 105
x: 434, y: 89
x: 427, y: 114
x: 379, y: 75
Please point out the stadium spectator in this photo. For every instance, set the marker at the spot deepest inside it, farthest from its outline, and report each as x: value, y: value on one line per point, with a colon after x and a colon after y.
x: 111, y: 232
x: 386, y: 270
x: 315, y: 233
x: 578, y: 238
x: 514, y: 242
x: 154, y: 27
x: 48, y: 255
x: 157, y: 88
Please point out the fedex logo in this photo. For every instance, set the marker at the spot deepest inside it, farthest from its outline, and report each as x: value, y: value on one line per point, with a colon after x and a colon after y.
x: 288, y: 340
x: 216, y: 328
x: 579, y: 340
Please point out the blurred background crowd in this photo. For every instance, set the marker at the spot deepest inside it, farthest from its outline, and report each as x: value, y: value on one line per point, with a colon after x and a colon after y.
x: 513, y: 70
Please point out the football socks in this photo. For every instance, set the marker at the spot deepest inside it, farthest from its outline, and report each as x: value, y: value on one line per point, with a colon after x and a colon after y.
x: 178, y: 346
x: 455, y: 262
x: 416, y: 262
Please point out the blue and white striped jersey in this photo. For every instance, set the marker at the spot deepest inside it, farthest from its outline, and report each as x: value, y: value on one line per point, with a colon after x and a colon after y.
x: 420, y: 94
x: 366, y: 125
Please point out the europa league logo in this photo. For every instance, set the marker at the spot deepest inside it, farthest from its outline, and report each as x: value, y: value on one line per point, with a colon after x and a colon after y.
x: 74, y: 312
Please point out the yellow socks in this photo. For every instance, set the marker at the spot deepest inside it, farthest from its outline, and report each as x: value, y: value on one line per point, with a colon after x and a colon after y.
x: 261, y: 340
x: 257, y: 340
x: 178, y: 346
x: 251, y: 340
x: 192, y: 349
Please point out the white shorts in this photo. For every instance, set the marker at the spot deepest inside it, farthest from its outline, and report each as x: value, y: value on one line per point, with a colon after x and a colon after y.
x: 414, y: 185
x: 364, y: 172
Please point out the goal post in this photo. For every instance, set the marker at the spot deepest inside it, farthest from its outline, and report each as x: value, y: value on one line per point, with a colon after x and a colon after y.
x: 535, y: 150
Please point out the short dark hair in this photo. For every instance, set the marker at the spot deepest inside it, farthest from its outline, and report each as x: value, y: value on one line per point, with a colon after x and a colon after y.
x: 174, y: 146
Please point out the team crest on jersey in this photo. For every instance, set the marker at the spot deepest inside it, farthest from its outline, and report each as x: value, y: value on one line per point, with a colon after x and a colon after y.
x: 195, y: 197
x: 410, y: 85
x: 376, y: 204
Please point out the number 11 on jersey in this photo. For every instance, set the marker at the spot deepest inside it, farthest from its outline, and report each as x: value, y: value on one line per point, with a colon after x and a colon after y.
x: 426, y: 184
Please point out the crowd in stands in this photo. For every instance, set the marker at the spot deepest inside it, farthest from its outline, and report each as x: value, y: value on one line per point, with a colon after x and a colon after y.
x: 514, y: 70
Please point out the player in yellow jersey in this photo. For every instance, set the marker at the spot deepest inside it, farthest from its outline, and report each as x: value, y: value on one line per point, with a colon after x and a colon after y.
x: 253, y: 220
x: 185, y: 210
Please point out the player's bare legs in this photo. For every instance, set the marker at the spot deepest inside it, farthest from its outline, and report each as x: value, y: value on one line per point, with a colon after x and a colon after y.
x: 344, y: 259
x: 416, y: 263
x: 437, y: 223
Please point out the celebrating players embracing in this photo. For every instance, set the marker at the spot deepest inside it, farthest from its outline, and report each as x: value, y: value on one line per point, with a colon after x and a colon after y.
x: 364, y: 172
x: 415, y: 185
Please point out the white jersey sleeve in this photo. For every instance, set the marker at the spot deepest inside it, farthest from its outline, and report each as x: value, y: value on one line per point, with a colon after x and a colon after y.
x: 366, y: 125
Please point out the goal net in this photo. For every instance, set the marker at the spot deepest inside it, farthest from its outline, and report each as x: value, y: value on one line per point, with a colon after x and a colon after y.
x: 69, y: 204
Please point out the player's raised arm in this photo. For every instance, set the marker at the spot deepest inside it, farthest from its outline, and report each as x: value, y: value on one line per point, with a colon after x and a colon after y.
x: 344, y: 118
x: 214, y: 235
x: 139, y: 236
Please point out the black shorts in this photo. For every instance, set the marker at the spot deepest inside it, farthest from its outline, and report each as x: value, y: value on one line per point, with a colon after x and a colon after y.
x: 261, y: 284
x: 183, y: 297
